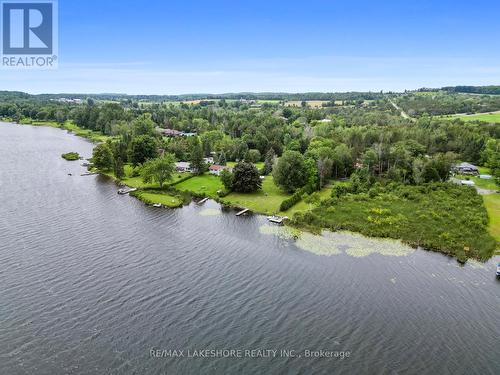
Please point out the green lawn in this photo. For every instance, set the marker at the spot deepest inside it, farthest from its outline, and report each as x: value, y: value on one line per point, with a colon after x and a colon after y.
x: 152, y: 197
x: 206, y: 185
x: 492, y: 203
x: 304, y: 206
x: 136, y: 182
x: 482, y: 183
x: 258, y: 165
x: 70, y: 126
x: 86, y: 133
x: 487, y: 117
x: 266, y: 201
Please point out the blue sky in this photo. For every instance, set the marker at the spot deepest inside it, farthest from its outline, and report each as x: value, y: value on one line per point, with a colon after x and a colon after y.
x: 174, y: 47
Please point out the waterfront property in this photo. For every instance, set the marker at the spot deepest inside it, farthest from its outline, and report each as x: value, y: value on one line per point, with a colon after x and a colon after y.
x: 131, y: 275
x: 217, y: 169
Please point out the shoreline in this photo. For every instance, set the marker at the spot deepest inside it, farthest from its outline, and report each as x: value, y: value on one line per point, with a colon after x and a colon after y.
x: 179, y: 198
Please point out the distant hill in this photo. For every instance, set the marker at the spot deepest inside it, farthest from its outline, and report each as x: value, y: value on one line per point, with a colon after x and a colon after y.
x: 489, y: 90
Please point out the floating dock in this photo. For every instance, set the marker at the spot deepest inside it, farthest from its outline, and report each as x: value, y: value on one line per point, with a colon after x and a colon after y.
x: 126, y: 191
x: 277, y: 219
x: 242, y: 212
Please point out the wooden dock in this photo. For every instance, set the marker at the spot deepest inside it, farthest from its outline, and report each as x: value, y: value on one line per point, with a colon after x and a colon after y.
x: 242, y: 212
x: 126, y: 191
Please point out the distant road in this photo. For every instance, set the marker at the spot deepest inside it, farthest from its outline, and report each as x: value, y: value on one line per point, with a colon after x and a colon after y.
x: 403, y: 113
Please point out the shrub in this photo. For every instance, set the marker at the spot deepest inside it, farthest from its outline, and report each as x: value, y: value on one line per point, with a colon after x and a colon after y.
x: 292, y: 201
x: 71, y: 156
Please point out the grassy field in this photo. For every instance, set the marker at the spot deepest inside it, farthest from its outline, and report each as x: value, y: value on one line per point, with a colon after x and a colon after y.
x: 136, y: 182
x: 310, y: 103
x: 266, y: 201
x: 480, y: 182
x: 268, y: 101
x: 305, y: 204
x: 71, y: 127
x: 206, y: 185
x: 152, y: 197
x: 487, y: 117
x: 442, y: 217
x: 258, y: 165
x: 492, y: 203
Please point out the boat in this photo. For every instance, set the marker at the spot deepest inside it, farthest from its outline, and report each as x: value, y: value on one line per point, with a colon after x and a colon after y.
x: 498, y: 270
x: 277, y: 219
x: 158, y: 205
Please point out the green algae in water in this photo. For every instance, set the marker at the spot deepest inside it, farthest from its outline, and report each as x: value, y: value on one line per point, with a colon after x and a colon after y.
x: 360, y: 246
x: 319, y: 245
x: 353, y: 244
x: 210, y: 212
x: 335, y: 243
x: 280, y: 231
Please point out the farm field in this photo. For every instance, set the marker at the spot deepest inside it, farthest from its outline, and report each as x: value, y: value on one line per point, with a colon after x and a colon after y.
x: 493, y: 117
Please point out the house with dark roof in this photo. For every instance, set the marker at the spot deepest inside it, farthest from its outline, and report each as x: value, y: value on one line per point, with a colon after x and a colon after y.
x: 465, y: 168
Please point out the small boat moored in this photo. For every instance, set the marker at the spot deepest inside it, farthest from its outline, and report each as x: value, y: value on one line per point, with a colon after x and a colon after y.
x: 498, y: 270
x: 157, y: 205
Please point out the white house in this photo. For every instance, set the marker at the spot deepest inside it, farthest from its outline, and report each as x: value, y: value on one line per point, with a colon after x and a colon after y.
x: 183, y: 166
x: 217, y: 169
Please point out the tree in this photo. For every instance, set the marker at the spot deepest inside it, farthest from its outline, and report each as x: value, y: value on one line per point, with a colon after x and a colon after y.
x: 60, y: 117
x: 491, y: 158
x: 342, y: 161
x: 197, y: 162
x: 253, y: 156
x: 325, y: 166
x: 159, y: 169
x: 290, y: 172
x: 269, y: 161
x: 119, y: 171
x: 142, y: 148
x: 143, y: 125
x: 227, y: 179
x: 246, y: 178
x: 418, y: 167
x: 102, y: 157
x: 221, y: 160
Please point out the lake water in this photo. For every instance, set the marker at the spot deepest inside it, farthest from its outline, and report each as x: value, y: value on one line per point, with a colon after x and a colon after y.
x: 91, y: 281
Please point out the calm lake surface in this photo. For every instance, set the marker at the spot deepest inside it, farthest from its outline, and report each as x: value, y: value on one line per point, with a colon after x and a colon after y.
x: 91, y: 281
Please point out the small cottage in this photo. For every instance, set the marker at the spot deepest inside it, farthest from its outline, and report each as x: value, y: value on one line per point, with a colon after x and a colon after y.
x: 217, y: 169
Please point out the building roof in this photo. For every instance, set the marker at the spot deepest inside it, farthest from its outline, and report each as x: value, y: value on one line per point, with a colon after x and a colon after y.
x: 466, y: 165
x: 216, y: 167
x: 183, y: 164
